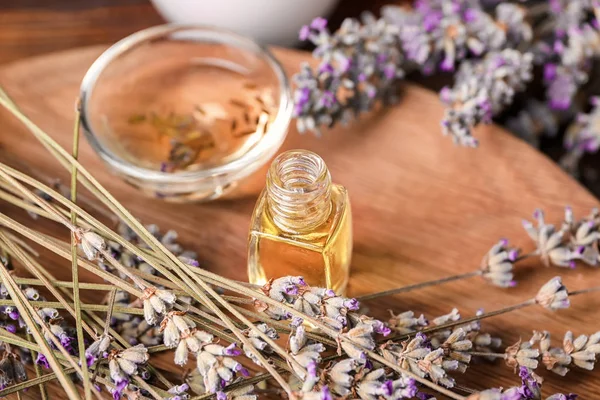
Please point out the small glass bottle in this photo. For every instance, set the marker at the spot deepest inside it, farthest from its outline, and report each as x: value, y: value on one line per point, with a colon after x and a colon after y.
x: 301, y: 225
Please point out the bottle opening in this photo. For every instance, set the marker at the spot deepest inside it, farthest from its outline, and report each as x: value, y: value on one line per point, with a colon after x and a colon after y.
x: 299, y: 191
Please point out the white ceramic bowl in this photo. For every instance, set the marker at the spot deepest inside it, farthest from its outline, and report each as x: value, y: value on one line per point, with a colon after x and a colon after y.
x: 266, y: 21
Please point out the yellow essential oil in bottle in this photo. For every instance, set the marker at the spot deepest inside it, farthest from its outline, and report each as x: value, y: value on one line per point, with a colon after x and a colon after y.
x: 301, y: 225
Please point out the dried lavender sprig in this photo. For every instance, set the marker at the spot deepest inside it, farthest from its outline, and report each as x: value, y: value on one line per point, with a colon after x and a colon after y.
x: 496, y: 268
x: 360, y: 65
x: 553, y: 296
x: 481, y: 90
x: 578, y: 352
x: 575, y: 240
x: 419, y: 285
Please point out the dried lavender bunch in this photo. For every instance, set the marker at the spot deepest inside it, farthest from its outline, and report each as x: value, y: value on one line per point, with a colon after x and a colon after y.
x: 568, y: 51
x: 560, y: 37
x: 360, y: 65
x: 439, y: 34
x: 481, y: 90
x: 447, y: 350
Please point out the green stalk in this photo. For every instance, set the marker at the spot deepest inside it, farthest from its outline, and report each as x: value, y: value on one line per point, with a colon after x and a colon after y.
x: 74, y: 267
x: 65, y: 284
x: 419, y: 285
x: 85, y: 307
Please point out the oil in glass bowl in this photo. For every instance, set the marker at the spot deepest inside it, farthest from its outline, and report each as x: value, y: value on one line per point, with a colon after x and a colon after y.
x: 186, y: 112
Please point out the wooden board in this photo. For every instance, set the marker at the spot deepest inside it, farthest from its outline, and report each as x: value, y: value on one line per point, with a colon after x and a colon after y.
x: 423, y: 208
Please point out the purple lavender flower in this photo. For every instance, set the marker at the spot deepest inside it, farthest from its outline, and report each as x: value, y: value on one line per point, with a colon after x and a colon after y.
x: 319, y: 24
x: 326, y: 395
x: 359, y: 64
x: 117, y: 392
x: 561, y: 89
x: 241, y: 370
x: 326, y: 68
x: 221, y: 396
x: 42, y: 361
x: 530, y: 385
x: 12, y: 313
x: 180, y: 392
x: 232, y: 350
x: 66, y: 341
x: 481, y: 90
x: 304, y: 32
x: 352, y: 304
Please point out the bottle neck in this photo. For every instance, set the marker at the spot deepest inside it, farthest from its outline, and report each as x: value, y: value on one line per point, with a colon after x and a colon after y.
x: 298, y: 191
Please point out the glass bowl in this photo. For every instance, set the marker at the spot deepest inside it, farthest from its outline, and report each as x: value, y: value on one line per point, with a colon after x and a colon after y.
x: 185, y: 113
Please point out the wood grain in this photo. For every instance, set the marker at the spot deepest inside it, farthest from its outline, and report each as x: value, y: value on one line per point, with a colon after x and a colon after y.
x: 33, y: 27
x: 423, y: 209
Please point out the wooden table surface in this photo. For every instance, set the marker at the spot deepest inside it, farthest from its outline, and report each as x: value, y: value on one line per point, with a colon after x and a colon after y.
x: 423, y: 209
